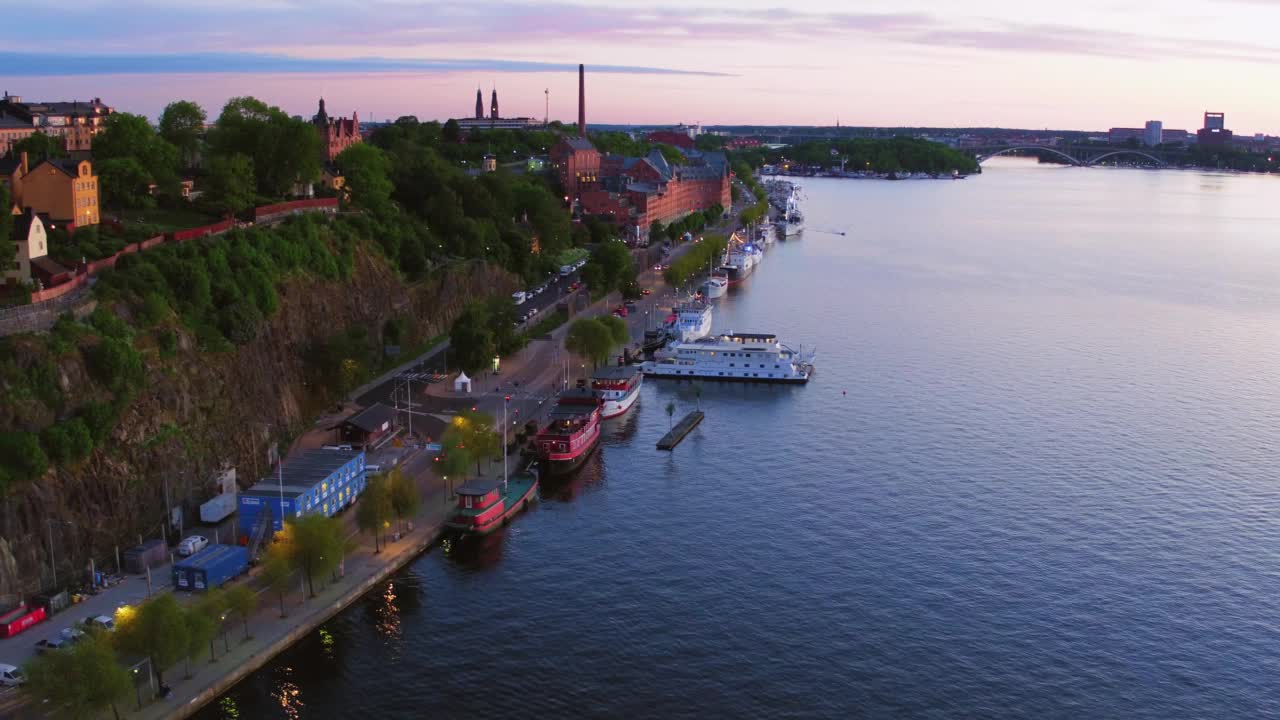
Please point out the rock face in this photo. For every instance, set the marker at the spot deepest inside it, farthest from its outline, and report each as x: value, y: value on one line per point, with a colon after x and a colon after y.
x: 200, y: 412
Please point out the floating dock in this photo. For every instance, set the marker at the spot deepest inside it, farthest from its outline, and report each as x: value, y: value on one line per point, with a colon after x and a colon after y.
x: 682, y: 428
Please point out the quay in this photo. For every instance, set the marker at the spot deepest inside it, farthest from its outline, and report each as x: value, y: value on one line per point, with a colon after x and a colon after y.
x: 682, y: 428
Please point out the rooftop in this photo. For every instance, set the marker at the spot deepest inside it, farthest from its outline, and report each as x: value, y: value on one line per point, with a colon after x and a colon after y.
x: 304, y: 471
x: 372, y: 418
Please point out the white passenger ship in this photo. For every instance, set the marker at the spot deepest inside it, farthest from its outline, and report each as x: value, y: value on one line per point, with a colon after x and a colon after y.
x: 692, y: 321
x: 733, y: 356
x: 792, y: 220
x: 617, y: 389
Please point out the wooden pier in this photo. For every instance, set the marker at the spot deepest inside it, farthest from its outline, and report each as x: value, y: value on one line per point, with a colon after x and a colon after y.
x: 682, y: 428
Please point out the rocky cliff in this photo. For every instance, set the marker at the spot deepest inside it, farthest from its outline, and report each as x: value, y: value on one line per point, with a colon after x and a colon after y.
x: 198, y: 412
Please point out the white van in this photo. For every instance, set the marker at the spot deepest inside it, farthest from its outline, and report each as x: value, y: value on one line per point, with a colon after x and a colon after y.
x: 11, y: 676
x: 519, y: 297
x: 566, y: 270
x: 192, y: 545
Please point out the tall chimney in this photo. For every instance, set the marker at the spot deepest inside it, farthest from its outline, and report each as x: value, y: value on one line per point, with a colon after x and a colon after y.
x: 582, y: 101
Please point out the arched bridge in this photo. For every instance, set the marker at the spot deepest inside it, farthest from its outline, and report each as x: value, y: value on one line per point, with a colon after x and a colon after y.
x: 1081, y: 155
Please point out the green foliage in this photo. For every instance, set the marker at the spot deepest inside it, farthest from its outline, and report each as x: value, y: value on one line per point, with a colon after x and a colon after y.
x: 879, y: 155
x: 125, y: 183
x: 368, y: 177
x: 39, y: 147
x: 617, y: 327
x: 109, y: 324
x: 316, y: 545
x: 21, y: 457
x: 284, y: 150
x: 100, y: 419
x: 79, y: 682
x: 115, y: 364
x: 472, y: 340
x: 696, y: 261
x: 158, y: 630
x: 277, y: 573
x: 182, y: 125
x: 609, y: 268
x: 671, y: 412
x: 240, y: 321
x: 549, y: 323
x: 405, y: 498
x: 230, y: 185
x: 590, y: 338
x: 130, y: 150
x: 67, y: 442
x: 201, y: 629
x: 242, y: 602
x: 373, y: 509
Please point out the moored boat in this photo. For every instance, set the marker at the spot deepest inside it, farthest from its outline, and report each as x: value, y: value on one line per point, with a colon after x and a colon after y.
x: 571, y: 435
x: 484, y: 504
x: 617, y: 388
x: 715, y: 286
x: 692, y: 320
x: 752, y: 357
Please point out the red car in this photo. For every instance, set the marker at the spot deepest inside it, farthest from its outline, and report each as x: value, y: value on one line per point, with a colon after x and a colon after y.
x: 620, y: 311
x: 645, y: 291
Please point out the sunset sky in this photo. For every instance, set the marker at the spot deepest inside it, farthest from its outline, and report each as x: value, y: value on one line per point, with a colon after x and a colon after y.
x: 1086, y: 65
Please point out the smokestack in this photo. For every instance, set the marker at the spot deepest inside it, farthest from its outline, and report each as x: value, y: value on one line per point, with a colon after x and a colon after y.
x: 582, y: 101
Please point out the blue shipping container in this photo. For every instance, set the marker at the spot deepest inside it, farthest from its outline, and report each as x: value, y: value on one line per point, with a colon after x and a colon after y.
x: 314, y: 481
x: 211, y: 567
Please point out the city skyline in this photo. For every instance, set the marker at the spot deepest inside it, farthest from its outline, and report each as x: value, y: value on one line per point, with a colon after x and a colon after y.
x: 751, y: 62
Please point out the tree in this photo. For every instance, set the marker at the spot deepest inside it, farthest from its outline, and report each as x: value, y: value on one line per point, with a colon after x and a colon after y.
x: 590, y: 339
x: 39, y: 147
x: 131, y: 137
x: 21, y: 457
x: 405, y: 498
x: 181, y: 125
x: 276, y: 573
x: 478, y: 435
x: 229, y: 183
x: 471, y: 340
x: 697, y: 394
x: 6, y: 227
x: 671, y: 413
x: 316, y: 546
x: 284, y: 150
x: 373, y: 509
x: 158, y: 629
x: 201, y: 628
x: 242, y: 602
x: 213, y: 605
x: 78, y: 682
x: 619, y: 333
x: 125, y: 183
x: 657, y: 231
x: 368, y: 177
x: 452, y: 132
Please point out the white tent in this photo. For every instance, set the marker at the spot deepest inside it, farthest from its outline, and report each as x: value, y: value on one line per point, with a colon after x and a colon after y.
x: 462, y: 383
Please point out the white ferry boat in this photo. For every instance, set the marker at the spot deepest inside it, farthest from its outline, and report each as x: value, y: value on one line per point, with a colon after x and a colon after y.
x: 734, y: 356
x: 766, y: 235
x: 792, y: 220
x: 689, y: 321
x: 741, y: 262
x: 618, y: 388
x: 715, y: 286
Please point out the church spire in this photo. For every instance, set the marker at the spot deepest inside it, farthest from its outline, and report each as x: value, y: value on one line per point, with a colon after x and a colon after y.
x: 493, y: 105
x: 479, y: 105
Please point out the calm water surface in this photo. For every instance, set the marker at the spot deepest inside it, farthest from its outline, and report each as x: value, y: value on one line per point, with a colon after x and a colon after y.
x: 1034, y: 477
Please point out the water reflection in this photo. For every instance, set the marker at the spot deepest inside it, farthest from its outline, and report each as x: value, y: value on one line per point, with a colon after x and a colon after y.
x: 475, y: 552
x: 287, y: 693
x: 565, y: 489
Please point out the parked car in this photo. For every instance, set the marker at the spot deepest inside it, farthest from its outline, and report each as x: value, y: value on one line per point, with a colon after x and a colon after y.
x: 192, y: 545
x: 658, y: 266
x: 631, y: 304
x: 566, y: 269
x: 372, y: 469
x: 620, y: 311
x: 56, y: 642
x: 519, y: 297
x: 11, y: 676
x: 645, y: 291
x: 101, y: 622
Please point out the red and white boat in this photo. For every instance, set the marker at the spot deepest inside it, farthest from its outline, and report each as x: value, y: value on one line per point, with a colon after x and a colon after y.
x: 617, y: 388
x: 572, y: 434
x: 485, y: 505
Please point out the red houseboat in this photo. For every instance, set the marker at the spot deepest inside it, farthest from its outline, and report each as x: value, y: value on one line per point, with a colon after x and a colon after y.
x: 571, y: 435
x: 485, y: 505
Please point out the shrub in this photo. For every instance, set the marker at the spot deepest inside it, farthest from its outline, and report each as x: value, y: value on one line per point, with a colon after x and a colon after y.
x: 21, y: 457
x: 116, y: 364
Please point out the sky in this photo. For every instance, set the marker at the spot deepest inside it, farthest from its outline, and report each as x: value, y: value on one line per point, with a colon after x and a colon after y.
x: 1087, y: 65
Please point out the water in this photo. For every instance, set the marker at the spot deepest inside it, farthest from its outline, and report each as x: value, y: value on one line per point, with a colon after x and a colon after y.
x: 1034, y: 477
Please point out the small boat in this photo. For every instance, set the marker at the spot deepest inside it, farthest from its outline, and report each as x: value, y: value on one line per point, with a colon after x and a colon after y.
x: 715, y: 286
x: 484, y: 504
x: 571, y: 435
x: 617, y: 388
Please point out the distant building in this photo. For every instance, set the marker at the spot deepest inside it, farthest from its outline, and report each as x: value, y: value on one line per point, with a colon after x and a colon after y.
x: 489, y: 163
x: 369, y: 426
x: 671, y: 137
x: 64, y: 190
x: 1174, y: 137
x: 74, y: 122
x: 494, y: 121
x: 1119, y: 136
x: 740, y: 143
x: 336, y: 134
x: 1153, y: 133
x: 1214, y: 131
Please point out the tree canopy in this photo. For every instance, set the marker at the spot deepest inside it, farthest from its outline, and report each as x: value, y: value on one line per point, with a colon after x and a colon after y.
x: 284, y: 150
x: 38, y: 146
x: 182, y: 125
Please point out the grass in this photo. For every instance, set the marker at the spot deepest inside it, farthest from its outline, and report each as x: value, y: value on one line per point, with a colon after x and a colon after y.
x: 548, y: 324
x: 180, y: 218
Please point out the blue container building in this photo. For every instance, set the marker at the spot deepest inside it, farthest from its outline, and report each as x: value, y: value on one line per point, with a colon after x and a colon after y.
x: 314, y: 481
x: 210, y: 568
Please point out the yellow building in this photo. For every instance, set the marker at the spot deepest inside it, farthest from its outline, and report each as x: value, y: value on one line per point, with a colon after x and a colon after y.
x: 65, y: 190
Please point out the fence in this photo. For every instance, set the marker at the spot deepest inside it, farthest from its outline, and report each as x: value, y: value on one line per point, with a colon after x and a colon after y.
x: 271, y: 213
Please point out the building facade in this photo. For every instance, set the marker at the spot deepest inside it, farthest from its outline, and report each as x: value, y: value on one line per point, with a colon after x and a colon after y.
x: 1215, y: 130
x: 74, y: 122
x: 32, y: 243
x: 336, y: 134
x: 1153, y: 133
x: 64, y: 190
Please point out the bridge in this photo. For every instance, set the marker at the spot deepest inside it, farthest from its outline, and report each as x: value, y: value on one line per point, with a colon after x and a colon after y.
x: 1078, y: 155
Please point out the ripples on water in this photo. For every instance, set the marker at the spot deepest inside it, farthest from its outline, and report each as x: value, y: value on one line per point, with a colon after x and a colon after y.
x: 1034, y: 477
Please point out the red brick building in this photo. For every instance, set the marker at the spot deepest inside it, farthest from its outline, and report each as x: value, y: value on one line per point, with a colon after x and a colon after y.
x: 336, y: 134
x: 671, y: 137
x: 635, y: 192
